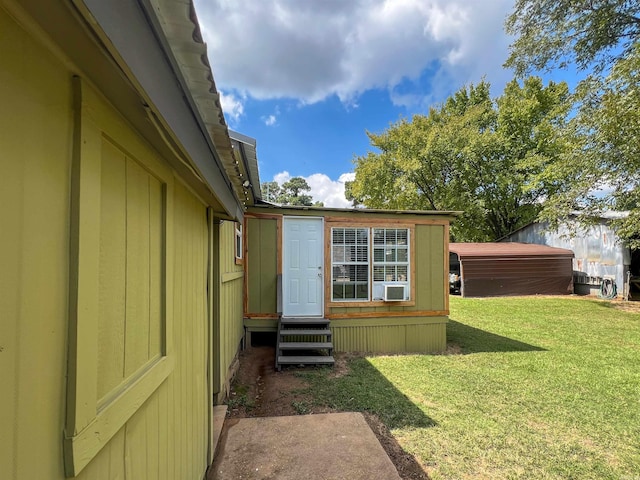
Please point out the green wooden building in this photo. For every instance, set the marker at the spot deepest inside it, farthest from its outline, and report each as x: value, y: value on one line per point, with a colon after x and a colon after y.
x: 121, y: 198
x: 380, y: 277
x: 136, y: 254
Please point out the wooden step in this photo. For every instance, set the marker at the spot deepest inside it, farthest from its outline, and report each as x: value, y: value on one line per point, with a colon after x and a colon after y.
x: 305, y: 331
x: 306, y: 360
x: 304, y: 345
x: 304, y: 321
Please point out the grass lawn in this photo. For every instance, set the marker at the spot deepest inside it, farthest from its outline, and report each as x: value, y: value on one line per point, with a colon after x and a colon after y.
x: 530, y: 388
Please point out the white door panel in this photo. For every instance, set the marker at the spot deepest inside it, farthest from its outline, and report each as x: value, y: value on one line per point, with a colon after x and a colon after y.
x: 303, y: 266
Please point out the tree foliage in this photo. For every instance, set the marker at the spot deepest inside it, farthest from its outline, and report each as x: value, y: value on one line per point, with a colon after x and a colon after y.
x: 270, y: 191
x: 474, y: 154
x: 292, y: 192
x: 602, y: 171
x: 554, y: 33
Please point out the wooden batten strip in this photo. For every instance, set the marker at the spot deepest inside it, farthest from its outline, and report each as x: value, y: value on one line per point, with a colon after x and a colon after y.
x: 262, y: 315
x: 420, y: 313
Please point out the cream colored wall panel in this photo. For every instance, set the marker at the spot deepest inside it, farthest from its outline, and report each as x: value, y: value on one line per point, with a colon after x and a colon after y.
x: 137, y: 314
x: 113, y: 274
x: 167, y: 437
x: 35, y: 126
x: 190, y: 338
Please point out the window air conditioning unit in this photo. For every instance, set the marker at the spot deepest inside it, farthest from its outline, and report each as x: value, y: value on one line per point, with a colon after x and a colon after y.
x: 393, y: 293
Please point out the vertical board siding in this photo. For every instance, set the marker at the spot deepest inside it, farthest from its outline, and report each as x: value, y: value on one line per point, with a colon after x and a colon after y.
x: 186, y: 386
x: 131, y: 278
x: 112, y: 281
x: 427, y: 338
x: 430, y: 274
x: 35, y: 161
x: 166, y: 439
x: 262, y: 265
x: 230, y: 305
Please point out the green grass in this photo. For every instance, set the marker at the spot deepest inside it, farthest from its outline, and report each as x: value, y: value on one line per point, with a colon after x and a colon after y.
x: 535, y: 388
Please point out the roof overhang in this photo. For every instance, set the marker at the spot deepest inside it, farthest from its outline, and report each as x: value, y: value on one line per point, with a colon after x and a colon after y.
x: 294, y: 209
x: 246, y: 167
x: 148, y: 59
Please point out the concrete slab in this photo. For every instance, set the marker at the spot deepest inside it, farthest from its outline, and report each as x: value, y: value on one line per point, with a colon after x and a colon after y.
x: 219, y: 415
x: 333, y: 446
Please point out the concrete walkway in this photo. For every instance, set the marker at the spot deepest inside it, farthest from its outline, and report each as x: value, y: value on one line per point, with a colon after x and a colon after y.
x: 333, y: 446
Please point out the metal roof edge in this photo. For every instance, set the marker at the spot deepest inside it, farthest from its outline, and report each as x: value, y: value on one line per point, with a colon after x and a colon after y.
x: 442, y: 213
x: 187, y: 53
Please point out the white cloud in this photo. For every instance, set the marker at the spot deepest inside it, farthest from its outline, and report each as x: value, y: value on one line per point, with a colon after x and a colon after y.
x: 323, y: 189
x: 311, y: 50
x: 270, y: 120
x: 232, y: 107
x: 282, y: 177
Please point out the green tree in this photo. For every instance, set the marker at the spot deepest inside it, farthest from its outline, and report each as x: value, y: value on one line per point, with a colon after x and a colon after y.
x: 270, y: 191
x: 474, y: 154
x: 348, y: 194
x: 553, y: 33
x: 292, y: 192
x: 602, y: 171
x: 604, y: 168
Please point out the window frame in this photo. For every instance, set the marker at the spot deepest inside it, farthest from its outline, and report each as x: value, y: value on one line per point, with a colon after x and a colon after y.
x: 344, y: 263
x: 238, y: 244
x: 371, y: 302
x: 395, y: 247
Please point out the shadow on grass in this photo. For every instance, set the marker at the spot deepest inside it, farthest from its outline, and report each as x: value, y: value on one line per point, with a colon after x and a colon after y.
x: 364, y: 389
x: 474, y: 340
x: 360, y: 387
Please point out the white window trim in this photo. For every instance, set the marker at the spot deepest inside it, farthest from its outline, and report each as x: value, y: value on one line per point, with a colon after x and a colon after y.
x: 372, y: 300
x: 238, y: 244
x: 378, y: 283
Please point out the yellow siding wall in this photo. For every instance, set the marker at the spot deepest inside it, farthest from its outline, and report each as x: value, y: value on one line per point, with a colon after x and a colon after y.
x: 35, y: 161
x: 230, y: 328
x: 262, y: 266
x: 372, y: 328
x: 390, y: 335
x: 168, y: 436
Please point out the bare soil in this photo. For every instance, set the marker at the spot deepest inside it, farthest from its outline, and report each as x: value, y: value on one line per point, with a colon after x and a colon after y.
x: 260, y: 391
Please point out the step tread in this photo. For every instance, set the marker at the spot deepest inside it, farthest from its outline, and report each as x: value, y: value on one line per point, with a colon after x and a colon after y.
x: 304, y: 321
x: 305, y: 331
x: 304, y: 345
x: 306, y: 360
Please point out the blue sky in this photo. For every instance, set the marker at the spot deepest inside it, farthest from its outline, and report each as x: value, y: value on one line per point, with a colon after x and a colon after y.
x: 308, y: 78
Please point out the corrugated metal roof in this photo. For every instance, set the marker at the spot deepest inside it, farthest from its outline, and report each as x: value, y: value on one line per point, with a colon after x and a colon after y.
x: 441, y: 213
x: 246, y: 148
x: 180, y: 26
x: 506, y: 250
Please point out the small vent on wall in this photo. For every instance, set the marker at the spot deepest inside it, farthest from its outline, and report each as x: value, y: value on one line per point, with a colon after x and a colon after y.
x: 393, y: 293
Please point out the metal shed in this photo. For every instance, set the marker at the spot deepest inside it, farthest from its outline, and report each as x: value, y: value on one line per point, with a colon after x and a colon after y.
x: 498, y: 269
x: 599, y: 252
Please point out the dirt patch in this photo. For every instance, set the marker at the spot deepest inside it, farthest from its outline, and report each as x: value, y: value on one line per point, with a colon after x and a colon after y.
x: 260, y: 391
x: 626, y: 306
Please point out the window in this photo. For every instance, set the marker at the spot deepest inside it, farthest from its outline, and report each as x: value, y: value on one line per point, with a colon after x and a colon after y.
x: 390, y: 260
x: 238, y: 247
x: 350, y: 263
x: 358, y: 276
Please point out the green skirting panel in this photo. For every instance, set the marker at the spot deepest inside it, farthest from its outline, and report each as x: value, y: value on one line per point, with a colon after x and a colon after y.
x: 390, y: 335
x: 261, y: 324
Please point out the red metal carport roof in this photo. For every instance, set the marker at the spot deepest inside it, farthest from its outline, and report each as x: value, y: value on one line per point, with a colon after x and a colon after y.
x: 506, y: 249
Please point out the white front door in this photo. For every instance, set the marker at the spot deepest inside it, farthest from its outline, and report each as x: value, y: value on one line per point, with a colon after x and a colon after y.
x: 302, y: 282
